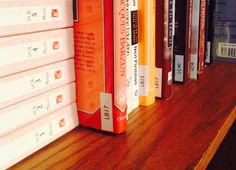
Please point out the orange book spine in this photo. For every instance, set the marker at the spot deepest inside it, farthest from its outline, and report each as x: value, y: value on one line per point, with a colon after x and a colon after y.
x: 146, y: 34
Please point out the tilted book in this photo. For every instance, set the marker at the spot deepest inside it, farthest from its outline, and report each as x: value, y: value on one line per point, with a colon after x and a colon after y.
x: 225, y: 30
x: 147, y: 50
x: 27, y: 111
x: 164, y: 48
x: 100, y: 61
x: 24, y: 16
x: 18, y: 87
x: 132, y: 71
x: 24, y: 52
x: 19, y: 144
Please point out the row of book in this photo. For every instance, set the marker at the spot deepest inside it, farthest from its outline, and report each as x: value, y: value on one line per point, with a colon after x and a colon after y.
x: 116, y: 56
x: 37, y: 80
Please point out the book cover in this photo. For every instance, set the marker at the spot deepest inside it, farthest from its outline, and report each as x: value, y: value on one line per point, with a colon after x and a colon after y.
x: 202, y: 36
x: 179, y: 55
x: 18, y: 87
x: 19, y: 144
x: 164, y: 48
x: 17, y: 17
x: 147, y: 51
x: 225, y: 31
x: 100, y: 61
x: 194, y: 55
x: 24, y: 52
x: 132, y: 55
x: 27, y: 111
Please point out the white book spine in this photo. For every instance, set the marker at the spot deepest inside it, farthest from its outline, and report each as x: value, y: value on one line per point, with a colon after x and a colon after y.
x: 19, y: 144
x: 18, y: 87
x: 34, y: 108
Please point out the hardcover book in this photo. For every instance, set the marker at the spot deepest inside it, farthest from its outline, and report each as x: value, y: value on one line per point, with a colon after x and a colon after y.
x: 18, y: 87
x: 19, y: 144
x: 225, y: 30
x: 24, y: 52
x: 194, y: 55
x: 164, y: 48
x: 147, y: 50
x: 17, y: 17
x: 27, y: 111
x: 100, y: 61
x: 132, y: 55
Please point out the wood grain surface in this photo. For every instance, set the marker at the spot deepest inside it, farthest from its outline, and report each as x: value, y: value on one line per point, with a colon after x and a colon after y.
x: 181, y: 133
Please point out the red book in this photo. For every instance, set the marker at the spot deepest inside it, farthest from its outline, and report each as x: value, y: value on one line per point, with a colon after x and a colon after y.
x: 164, y: 39
x: 100, y: 60
x: 202, y: 36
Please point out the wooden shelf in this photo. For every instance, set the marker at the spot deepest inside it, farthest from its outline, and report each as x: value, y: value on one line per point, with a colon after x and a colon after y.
x: 181, y: 133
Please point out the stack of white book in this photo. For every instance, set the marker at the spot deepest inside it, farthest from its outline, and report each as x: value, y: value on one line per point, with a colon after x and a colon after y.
x: 37, y: 81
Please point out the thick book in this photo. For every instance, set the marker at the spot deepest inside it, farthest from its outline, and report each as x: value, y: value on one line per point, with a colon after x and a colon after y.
x: 202, y: 36
x: 147, y: 50
x: 19, y: 144
x: 132, y: 71
x: 17, y: 17
x: 24, y: 52
x: 225, y: 30
x: 100, y: 62
x: 18, y: 87
x: 27, y: 111
x: 194, y: 55
x: 164, y: 48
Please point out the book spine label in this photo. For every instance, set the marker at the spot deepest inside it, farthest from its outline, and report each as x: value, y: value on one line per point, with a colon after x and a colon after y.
x: 143, y: 80
x: 30, y: 83
x: 134, y: 49
x: 158, y: 82
x: 28, y: 51
x: 195, y: 41
x: 89, y: 55
x: 29, y: 15
x: 35, y: 108
x: 202, y: 34
x: 35, y: 136
x: 179, y: 68
x: 106, y: 112
x: 120, y: 43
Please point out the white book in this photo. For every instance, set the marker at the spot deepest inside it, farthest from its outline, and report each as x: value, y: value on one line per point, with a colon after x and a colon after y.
x: 24, y: 52
x: 18, y: 87
x: 19, y: 144
x: 132, y: 55
x: 24, y: 16
x: 27, y: 111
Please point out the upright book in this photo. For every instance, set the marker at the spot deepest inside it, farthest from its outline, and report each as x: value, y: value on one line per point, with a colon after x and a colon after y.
x: 164, y: 48
x: 17, y: 17
x: 225, y: 30
x: 132, y: 55
x: 147, y: 50
x: 24, y: 52
x: 100, y: 61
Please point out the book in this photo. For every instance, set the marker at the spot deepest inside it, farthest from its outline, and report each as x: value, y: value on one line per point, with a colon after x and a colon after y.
x: 19, y: 144
x: 35, y: 82
x: 180, y: 58
x: 24, y: 52
x: 147, y: 50
x: 224, y: 31
x: 194, y: 55
x: 132, y: 55
x: 27, y: 111
x: 164, y: 48
x: 18, y: 17
x: 202, y: 36
x: 100, y: 61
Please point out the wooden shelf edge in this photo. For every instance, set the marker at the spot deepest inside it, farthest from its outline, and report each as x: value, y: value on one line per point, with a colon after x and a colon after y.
x: 210, y: 152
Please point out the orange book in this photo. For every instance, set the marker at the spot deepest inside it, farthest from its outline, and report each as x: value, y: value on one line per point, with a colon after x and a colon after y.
x: 100, y: 61
x: 146, y: 34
